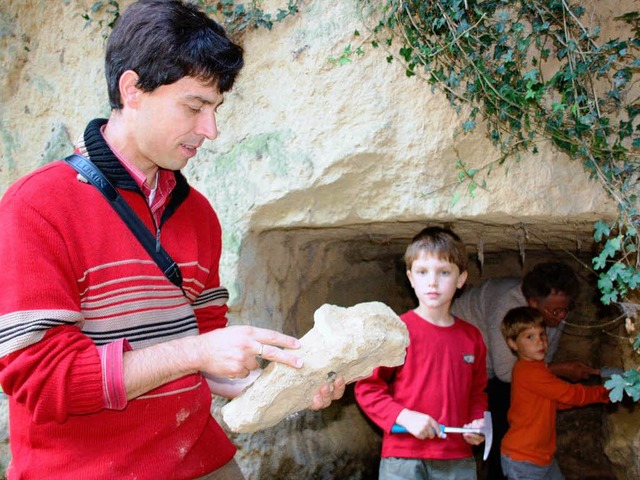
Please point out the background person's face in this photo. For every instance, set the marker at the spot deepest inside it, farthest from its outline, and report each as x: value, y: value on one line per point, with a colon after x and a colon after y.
x: 554, y: 308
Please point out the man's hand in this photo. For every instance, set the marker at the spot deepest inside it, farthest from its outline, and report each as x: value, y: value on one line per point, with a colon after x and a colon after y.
x: 231, y: 388
x: 235, y: 363
x: 573, y: 371
x: 233, y: 352
x: 420, y: 425
x: 230, y: 353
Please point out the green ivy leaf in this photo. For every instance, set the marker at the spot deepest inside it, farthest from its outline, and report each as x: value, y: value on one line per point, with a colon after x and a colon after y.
x: 468, y: 125
x: 617, y: 386
x: 601, y: 229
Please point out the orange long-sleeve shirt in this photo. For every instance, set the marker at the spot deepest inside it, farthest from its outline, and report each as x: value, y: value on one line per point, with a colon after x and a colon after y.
x: 536, y: 394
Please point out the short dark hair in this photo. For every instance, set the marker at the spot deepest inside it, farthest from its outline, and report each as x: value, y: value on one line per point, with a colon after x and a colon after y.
x: 518, y: 319
x: 548, y: 277
x: 166, y: 40
x: 438, y: 241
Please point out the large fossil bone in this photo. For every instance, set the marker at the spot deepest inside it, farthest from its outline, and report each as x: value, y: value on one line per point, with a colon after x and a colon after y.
x: 343, y: 341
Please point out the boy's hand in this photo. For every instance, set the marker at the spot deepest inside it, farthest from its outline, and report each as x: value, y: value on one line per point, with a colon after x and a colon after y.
x: 420, y: 425
x: 474, y: 438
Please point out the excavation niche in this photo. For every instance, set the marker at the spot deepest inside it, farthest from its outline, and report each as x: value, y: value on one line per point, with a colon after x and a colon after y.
x: 285, y: 275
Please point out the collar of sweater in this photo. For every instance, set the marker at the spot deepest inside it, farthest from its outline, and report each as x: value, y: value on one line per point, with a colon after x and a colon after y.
x: 93, y: 145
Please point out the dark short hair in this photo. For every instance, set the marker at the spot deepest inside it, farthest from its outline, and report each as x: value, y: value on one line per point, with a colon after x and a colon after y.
x: 548, y: 277
x: 440, y: 242
x: 166, y: 40
x: 518, y: 319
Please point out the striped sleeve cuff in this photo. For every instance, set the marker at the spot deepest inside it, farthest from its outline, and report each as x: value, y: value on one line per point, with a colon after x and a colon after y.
x: 114, y: 394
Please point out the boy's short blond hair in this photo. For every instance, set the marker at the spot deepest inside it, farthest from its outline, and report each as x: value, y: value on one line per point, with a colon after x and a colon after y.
x: 440, y: 242
x: 518, y: 319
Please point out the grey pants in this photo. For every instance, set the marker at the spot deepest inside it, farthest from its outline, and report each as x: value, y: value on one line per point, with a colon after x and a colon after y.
x: 418, y: 469
x: 516, y: 470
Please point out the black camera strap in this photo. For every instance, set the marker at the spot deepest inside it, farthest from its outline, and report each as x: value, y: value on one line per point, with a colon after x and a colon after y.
x: 94, y: 176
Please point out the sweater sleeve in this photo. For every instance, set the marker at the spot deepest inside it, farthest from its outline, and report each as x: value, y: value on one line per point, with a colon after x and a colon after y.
x: 374, y: 397
x: 546, y: 384
x: 112, y: 364
x: 47, y: 363
x: 56, y: 377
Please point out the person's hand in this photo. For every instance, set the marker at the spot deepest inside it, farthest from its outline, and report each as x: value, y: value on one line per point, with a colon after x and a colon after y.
x: 474, y: 438
x: 233, y: 352
x: 231, y: 388
x: 420, y: 425
x: 328, y: 392
x: 573, y: 371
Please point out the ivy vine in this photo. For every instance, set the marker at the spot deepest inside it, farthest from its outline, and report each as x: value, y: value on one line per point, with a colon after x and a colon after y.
x: 105, y: 13
x: 238, y: 17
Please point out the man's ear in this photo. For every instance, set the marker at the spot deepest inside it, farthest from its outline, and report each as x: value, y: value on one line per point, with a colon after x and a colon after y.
x: 129, y: 91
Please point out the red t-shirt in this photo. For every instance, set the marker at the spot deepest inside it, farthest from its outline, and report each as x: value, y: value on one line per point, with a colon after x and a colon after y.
x: 444, y: 376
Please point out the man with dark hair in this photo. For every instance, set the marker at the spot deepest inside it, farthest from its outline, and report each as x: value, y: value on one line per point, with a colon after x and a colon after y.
x: 109, y: 366
x: 551, y: 287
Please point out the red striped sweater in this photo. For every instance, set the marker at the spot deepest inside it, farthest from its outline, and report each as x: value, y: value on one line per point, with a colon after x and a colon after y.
x: 74, y: 279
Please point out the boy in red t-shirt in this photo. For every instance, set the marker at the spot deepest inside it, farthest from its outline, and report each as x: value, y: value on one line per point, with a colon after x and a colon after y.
x: 529, y: 446
x: 444, y: 375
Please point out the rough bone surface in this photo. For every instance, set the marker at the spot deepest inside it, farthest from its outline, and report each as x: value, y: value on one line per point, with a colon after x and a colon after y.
x: 343, y: 341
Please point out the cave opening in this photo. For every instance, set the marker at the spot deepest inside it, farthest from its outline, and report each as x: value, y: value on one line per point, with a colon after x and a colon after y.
x: 286, y: 274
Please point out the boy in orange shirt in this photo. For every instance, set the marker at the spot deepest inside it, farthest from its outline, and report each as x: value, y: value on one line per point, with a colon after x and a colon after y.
x: 529, y: 446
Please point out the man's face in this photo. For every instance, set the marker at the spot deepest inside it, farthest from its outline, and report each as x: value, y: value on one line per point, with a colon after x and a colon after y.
x: 554, y: 308
x: 172, y: 122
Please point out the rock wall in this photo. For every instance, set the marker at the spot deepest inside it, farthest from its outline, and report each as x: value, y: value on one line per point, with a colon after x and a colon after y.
x: 320, y: 176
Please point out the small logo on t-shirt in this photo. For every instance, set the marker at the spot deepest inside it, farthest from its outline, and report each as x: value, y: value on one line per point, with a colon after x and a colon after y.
x: 469, y: 358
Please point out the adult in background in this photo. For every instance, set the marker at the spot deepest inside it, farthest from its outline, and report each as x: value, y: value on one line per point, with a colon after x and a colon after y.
x: 109, y: 366
x: 551, y: 287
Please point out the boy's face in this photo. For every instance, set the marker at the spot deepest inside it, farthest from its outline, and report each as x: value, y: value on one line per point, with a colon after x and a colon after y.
x: 435, y: 281
x: 531, y: 345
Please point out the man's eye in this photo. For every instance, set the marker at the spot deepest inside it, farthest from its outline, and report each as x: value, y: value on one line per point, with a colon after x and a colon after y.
x: 195, y: 109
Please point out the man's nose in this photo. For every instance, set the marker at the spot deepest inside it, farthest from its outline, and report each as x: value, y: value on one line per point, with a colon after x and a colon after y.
x: 207, y: 126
